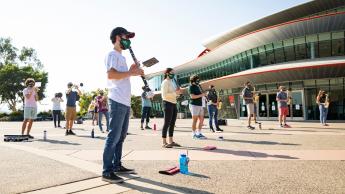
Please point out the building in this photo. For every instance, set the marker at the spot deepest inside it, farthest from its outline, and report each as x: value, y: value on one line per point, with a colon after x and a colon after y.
x: 302, y: 48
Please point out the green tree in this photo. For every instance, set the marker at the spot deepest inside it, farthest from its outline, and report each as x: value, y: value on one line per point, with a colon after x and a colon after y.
x: 84, y: 102
x: 15, y: 68
x: 136, y: 106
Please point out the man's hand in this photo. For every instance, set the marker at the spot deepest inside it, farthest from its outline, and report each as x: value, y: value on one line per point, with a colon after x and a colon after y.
x: 135, y: 70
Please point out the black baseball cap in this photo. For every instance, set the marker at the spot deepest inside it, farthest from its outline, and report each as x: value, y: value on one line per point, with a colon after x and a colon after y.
x: 120, y: 31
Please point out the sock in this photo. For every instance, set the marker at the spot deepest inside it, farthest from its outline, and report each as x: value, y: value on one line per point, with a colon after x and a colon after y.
x: 197, y: 132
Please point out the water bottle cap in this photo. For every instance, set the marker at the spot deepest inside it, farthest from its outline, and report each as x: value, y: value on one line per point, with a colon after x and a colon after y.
x: 183, y: 155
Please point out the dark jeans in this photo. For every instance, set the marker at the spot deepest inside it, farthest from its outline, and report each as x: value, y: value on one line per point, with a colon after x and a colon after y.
x: 57, y: 117
x: 170, y: 115
x: 213, y: 113
x: 119, y: 119
x: 145, y: 114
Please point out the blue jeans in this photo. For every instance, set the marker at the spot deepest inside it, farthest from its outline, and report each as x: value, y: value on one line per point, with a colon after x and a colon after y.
x: 145, y: 114
x: 213, y: 112
x: 106, y: 114
x: 119, y: 119
x: 323, y: 113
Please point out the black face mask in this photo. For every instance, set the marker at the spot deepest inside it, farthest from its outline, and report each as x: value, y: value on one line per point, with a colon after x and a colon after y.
x: 197, y: 82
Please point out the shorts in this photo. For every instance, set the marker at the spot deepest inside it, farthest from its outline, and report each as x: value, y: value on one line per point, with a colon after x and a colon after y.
x: 196, y: 110
x: 250, y: 109
x: 283, y: 111
x: 30, y: 112
x: 71, y: 113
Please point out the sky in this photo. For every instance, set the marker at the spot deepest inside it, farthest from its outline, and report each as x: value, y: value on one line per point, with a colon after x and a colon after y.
x: 71, y: 37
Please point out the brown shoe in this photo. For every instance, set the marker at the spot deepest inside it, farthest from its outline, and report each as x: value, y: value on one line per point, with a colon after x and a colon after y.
x: 175, y: 144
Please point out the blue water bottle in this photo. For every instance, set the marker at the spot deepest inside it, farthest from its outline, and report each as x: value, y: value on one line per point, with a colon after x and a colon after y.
x: 184, y: 163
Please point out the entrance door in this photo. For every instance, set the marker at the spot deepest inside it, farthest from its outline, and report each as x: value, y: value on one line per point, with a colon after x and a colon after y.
x: 262, y: 106
x: 297, y: 105
x: 272, y: 106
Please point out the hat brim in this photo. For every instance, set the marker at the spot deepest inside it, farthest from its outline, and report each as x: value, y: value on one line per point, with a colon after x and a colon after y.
x: 130, y: 34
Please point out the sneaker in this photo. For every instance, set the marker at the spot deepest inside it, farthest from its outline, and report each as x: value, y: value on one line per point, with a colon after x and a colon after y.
x: 30, y: 137
x: 250, y: 127
x: 201, y: 136
x: 195, y: 136
x: 167, y: 145
x: 147, y: 127
x: 67, y: 132
x: 112, y: 178
x: 102, y: 131
x: 142, y: 128
x: 219, y: 130
x: 71, y: 132
x: 175, y: 144
x: 281, y: 126
x: 123, y: 170
x: 59, y: 126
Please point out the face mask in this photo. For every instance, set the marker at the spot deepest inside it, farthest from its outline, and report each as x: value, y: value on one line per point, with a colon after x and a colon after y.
x: 31, y: 84
x: 171, y: 76
x: 197, y: 82
x: 125, y: 43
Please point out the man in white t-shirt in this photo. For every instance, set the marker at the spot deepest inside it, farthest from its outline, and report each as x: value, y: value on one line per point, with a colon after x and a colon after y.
x: 119, y: 95
x: 30, y: 105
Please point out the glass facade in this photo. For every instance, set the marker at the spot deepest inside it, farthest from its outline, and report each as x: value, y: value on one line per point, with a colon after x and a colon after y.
x: 294, y: 49
x: 312, y: 46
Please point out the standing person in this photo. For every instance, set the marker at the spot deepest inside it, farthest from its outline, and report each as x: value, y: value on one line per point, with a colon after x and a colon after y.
x: 256, y: 105
x: 282, y: 99
x: 247, y: 95
x: 72, y: 97
x: 57, y: 109
x: 169, y: 93
x: 146, y: 104
x: 118, y: 82
x: 195, y: 106
x: 102, y: 104
x: 30, y: 105
x: 322, y: 100
x: 213, y: 109
x: 91, y: 110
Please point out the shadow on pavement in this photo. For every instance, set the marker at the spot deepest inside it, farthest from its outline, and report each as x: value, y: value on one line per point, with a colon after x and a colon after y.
x: 259, y: 142
x: 176, y: 189
x: 57, y: 142
x: 240, y: 153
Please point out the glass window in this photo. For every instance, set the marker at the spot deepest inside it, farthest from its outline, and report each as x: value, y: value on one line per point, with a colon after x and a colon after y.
x: 288, y: 42
x: 289, y: 53
x: 279, y: 55
x: 325, y: 45
x: 278, y: 44
x: 338, y: 44
x: 311, y: 38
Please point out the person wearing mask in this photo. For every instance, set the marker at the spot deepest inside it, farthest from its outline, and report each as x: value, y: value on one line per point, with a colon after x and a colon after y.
x: 119, y: 95
x: 282, y: 99
x: 146, y: 104
x: 213, y: 109
x: 195, y: 106
x: 30, y: 106
x: 57, y: 109
x: 72, y: 95
x: 102, y: 104
x: 322, y: 100
x: 170, y: 91
x: 247, y: 96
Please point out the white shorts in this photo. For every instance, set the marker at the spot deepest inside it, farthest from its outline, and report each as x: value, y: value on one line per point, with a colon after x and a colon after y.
x: 250, y: 109
x: 196, y: 110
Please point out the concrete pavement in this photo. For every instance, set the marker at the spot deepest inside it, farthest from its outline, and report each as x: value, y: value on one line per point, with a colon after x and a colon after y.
x: 245, y: 161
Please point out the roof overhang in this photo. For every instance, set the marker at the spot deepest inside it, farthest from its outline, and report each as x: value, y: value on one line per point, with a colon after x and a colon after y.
x: 292, y: 13
x: 302, y: 70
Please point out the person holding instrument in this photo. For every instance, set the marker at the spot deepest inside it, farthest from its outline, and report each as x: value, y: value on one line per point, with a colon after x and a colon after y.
x: 30, y: 105
x: 72, y: 97
x: 119, y: 96
x: 170, y: 91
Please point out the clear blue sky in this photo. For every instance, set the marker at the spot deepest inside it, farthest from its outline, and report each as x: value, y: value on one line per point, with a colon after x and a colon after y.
x: 72, y: 36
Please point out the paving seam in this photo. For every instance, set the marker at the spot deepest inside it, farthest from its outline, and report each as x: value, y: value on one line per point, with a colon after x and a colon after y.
x: 60, y: 184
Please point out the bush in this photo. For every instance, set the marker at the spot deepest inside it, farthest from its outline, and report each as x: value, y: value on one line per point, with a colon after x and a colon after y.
x: 3, y: 115
x: 45, y: 115
x: 16, y: 116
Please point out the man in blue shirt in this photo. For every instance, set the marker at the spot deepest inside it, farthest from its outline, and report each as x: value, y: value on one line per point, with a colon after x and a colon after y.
x: 71, y: 113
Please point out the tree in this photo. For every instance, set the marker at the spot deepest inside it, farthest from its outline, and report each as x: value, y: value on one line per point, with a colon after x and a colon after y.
x: 85, y: 100
x: 15, y: 68
x: 136, y: 106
